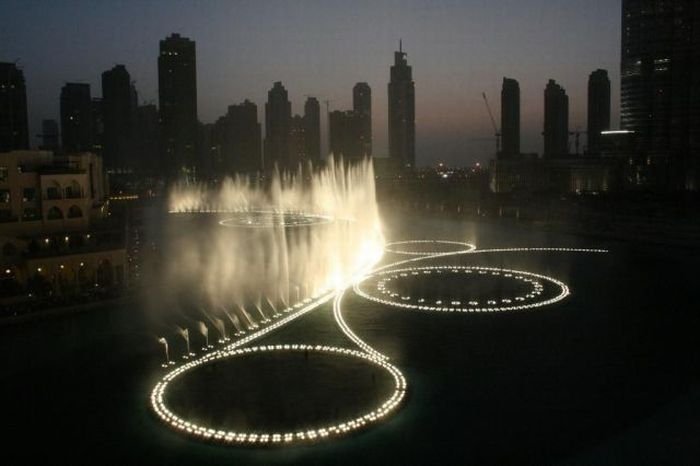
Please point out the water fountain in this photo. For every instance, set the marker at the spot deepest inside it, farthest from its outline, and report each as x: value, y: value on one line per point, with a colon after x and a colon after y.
x: 247, y: 251
x: 262, y: 255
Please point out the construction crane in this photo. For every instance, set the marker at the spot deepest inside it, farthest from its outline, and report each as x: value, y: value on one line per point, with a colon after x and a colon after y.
x: 493, y: 122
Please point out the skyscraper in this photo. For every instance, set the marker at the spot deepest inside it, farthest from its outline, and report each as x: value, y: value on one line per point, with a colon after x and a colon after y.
x: 510, y: 118
x: 98, y: 126
x: 119, y: 112
x: 556, y: 121
x: 312, y: 122
x: 77, y: 118
x: 177, y: 95
x: 362, y: 106
x: 297, y: 141
x: 49, y: 135
x: 346, y: 129
x: 278, y: 115
x: 598, y: 108
x: 243, y: 138
x: 14, y: 129
x: 402, y: 124
x: 147, y: 137
x: 660, y: 85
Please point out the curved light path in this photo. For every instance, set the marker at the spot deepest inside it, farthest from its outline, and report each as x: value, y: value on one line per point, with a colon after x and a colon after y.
x: 391, y: 247
x: 263, y: 438
x: 264, y: 218
x: 366, y: 353
x: 529, y: 300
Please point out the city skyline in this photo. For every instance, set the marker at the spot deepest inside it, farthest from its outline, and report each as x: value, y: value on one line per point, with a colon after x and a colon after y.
x: 465, y: 56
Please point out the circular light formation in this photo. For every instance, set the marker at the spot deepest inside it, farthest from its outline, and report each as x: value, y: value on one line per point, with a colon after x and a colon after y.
x: 203, y: 432
x: 272, y: 218
x: 459, y: 247
x: 385, y: 292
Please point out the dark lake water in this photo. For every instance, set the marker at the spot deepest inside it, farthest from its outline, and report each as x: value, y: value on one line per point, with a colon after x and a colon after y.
x: 610, y: 375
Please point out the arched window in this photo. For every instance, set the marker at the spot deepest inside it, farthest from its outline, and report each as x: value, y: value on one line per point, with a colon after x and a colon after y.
x: 75, y: 212
x: 73, y: 190
x: 53, y: 191
x: 54, y: 213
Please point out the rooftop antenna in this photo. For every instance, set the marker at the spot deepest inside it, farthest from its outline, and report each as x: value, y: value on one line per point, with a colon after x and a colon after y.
x: 400, y: 46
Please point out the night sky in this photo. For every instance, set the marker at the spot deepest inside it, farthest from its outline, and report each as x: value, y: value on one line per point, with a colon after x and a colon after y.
x: 457, y: 49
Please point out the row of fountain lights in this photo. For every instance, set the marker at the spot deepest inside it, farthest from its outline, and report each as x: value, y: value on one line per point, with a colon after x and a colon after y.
x: 258, y: 438
x: 473, y: 306
x: 262, y: 438
x: 368, y: 353
x: 263, y: 218
x: 268, y: 218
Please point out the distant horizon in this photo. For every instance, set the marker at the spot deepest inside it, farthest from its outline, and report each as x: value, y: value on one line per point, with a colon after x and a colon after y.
x: 457, y: 50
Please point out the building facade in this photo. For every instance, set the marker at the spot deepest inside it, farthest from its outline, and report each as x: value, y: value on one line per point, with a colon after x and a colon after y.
x: 49, y: 135
x: 278, y: 116
x: 312, y: 125
x: 346, y: 135
x: 402, y: 121
x: 177, y: 98
x: 77, y: 118
x: 55, y: 236
x: 598, y: 109
x: 362, y: 106
x: 660, y: 87
x: 14, y: 126
x: 556, y: 121
x: 510, y: 119
x: 119, y: 102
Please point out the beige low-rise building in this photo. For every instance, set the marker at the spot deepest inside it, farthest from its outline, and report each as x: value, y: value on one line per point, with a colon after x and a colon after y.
x: 56, y: 234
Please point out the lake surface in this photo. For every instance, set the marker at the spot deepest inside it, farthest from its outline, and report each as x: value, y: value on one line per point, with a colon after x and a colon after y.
x: 609, y: 375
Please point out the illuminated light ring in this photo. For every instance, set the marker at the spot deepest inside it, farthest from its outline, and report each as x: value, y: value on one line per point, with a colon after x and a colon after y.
x: 368, y: 353
x: 389, y: 247
x: 448, y: 307
x: 272, y: 218
x: 590, y: 250
x: 276, y: 438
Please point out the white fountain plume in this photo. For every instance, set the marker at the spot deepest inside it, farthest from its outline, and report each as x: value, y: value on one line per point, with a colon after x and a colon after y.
x: 219, y: 324
x: 164, y: 342
x: 255, y: 250
x: 205, y: 332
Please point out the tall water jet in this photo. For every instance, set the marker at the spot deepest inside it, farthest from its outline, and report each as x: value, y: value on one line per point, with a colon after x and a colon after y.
x: 205, y: 332
x: 241, y: 246
x: 185, y: 333
x: 164, y: 342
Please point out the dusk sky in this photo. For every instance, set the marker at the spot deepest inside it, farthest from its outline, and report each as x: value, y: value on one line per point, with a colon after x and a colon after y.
x: 457, y: 50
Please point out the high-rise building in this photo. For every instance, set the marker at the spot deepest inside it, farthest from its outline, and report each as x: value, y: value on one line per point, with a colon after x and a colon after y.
x: 278, y: 115
x: 49, y: 135
x: 147, y: 137
x: 598, y: 108
x: 77, y: 118
x: 177, y: 95
x: 402, y: 124
x: 510, y: 118
x: 119, y: 113
x: 556, y: 121
x: 660, y: 85
x: 297, y: 141
x: 241, y: 139
x: 312, y: 123
x: 98, y: 126
x: 346, y: 135
x: 14, y: 129
x: 362, y: 106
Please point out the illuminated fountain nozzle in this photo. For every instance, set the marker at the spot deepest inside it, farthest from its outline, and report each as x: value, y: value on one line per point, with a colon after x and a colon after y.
x: 164, y: 342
